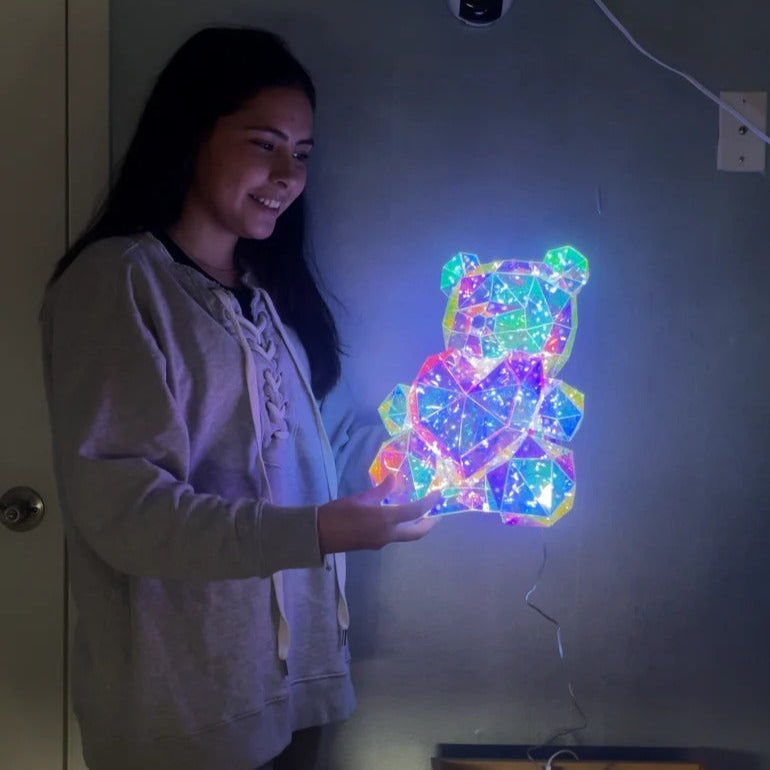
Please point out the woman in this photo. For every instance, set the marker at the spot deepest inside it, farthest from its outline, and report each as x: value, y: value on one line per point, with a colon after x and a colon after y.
x: 186, y: 347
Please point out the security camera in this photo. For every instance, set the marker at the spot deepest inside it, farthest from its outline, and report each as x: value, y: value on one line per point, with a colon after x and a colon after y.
x: 479, y: 13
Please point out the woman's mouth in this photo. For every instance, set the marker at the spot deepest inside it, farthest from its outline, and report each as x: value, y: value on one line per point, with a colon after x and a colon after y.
x: 268, y: 203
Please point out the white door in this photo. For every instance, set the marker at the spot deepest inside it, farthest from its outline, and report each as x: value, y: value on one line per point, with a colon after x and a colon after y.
x: 53, y: 162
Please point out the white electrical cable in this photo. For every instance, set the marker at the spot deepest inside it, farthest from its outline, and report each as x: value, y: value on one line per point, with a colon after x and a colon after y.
x: 714, y: 98
x: 567, y: 730
x: 549, y: 763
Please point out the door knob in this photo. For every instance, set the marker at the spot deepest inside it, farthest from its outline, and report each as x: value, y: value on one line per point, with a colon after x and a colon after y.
x: 21, y: 508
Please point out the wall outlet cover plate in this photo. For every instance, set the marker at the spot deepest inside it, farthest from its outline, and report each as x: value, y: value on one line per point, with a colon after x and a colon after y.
x: 739, y: 149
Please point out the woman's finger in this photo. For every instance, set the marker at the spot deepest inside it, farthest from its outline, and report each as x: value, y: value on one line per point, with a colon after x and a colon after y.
x: 414, y: 530
x: 376, y: 495
x: 415, y: 509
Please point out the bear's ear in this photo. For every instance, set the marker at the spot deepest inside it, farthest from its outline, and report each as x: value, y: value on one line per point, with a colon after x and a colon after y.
x: 455, y: 269
x: 570, y: 268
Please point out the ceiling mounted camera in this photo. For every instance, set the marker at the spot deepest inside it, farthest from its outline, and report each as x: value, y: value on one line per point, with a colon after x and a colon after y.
x: 479, y: 13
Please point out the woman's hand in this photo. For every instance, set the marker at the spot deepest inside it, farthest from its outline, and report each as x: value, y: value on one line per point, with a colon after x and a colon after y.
x: 364, y: 522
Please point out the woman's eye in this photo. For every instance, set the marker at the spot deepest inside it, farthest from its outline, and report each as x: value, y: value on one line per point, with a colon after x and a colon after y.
x: 264, y: 145
x: 303, y: 156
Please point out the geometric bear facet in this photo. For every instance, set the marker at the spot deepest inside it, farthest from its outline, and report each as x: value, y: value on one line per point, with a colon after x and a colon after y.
x: 393, y: 410
x: 485, y: 421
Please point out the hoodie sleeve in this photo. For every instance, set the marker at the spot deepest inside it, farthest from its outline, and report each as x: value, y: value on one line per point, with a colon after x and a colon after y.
x: 122, y: 451
x: 355, y: 438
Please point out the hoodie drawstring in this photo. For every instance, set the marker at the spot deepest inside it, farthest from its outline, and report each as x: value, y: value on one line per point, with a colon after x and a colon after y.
x: 343, y: 612
x: 284, y: 635
x: 276, y: 412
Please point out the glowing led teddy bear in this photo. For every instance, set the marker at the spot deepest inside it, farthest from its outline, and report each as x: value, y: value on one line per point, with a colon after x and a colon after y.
x: 485, y: 421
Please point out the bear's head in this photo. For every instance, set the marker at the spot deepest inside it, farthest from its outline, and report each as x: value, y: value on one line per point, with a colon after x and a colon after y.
x: 512, y: 306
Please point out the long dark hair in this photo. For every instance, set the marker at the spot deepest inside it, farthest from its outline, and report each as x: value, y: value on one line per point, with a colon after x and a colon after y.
x: 210, y: 76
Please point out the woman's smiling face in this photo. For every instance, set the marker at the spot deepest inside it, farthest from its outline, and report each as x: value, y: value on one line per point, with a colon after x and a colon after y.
x: 252, y: 165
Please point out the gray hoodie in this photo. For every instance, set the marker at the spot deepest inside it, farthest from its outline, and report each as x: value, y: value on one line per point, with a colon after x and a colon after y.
x: 191, y: 457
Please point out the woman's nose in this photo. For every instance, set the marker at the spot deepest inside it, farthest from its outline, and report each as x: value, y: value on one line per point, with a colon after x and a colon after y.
x: 284, y: 170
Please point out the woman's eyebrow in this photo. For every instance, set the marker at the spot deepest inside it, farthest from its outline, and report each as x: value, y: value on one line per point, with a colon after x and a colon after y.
x: 276, y: 132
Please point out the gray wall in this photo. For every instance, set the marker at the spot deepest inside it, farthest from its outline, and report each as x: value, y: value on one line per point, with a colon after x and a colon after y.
x: 433, y: 138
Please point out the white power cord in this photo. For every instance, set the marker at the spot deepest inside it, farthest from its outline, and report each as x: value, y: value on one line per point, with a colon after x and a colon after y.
x: 567, y: 730
x: 714, y: 98
x: 549, y: 763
